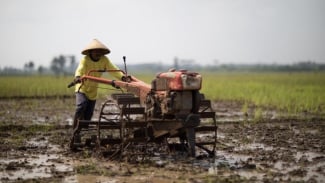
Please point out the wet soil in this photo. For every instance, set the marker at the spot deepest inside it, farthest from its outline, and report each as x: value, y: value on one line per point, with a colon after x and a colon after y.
x: 35, y: 133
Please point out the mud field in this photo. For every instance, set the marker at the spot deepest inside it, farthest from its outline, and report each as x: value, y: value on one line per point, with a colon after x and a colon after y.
x: 35, y: 133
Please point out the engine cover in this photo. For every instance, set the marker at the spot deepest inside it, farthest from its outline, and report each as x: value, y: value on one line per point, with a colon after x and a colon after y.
x: 177, y: 80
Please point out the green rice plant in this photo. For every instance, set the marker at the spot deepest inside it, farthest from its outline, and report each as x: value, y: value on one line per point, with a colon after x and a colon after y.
x: 89, y: 169
x: 245, y: 108
x: 34, y: 86
x: 258, y: 114
x: 288, y: 92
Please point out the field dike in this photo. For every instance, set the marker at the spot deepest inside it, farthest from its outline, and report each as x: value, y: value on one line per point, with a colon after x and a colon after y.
x: 35, y: 134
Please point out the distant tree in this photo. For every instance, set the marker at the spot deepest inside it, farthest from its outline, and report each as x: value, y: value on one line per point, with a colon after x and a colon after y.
x: 58, y: 64
x: 62, y: 61
x: 73, y: 64
x: 55, y: 66
x: 40, y: 70
x: 73, y: 60
x: 29, y: 66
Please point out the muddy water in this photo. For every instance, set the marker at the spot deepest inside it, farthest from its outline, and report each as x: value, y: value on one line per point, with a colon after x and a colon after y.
x: 45, y: 163
x: 285, y: 151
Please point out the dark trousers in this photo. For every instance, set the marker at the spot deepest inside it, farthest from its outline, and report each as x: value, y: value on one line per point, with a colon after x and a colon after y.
x: 84, y: 109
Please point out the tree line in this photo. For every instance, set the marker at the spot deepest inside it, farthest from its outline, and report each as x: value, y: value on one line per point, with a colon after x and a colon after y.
x: 63, y: 65
x: 60, y: 65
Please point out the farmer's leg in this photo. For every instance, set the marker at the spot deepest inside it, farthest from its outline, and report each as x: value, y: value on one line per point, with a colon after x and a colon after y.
x: 89, y: 109
x: 81, y: 105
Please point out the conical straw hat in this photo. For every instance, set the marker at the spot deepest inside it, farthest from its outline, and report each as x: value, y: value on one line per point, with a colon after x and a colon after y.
x: 95, y: 44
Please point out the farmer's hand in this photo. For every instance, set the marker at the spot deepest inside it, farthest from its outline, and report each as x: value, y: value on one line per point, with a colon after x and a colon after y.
x: 114, y: 85
x: 77, y: 79
x: 126, y: 79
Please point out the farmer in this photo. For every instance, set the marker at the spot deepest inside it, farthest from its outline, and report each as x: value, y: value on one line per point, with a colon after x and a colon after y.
x: 86, y: 92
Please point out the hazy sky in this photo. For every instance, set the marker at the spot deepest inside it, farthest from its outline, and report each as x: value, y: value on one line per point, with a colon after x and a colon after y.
x: 226, y: 31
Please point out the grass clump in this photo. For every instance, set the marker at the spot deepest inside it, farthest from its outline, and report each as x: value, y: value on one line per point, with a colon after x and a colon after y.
x: 88, y: 169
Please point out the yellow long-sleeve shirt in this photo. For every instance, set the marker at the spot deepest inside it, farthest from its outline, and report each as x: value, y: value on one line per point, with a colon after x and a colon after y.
x: 89, y: 88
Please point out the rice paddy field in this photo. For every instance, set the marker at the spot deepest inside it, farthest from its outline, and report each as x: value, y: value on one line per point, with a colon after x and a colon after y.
x: 271, y: 128
x: 288, y: 92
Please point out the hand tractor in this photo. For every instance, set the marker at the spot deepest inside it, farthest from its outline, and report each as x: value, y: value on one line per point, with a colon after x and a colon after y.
x: 143, y: 119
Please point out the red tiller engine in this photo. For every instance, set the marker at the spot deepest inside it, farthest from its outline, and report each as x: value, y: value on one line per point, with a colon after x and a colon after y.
x: 171, y: 107
x: 174, y: 94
